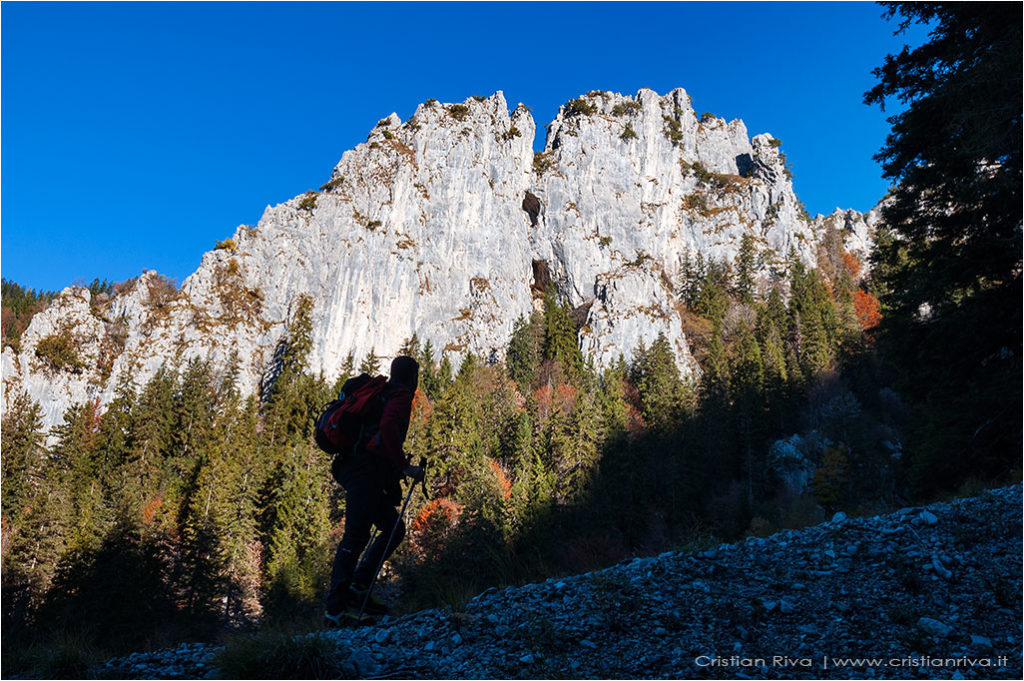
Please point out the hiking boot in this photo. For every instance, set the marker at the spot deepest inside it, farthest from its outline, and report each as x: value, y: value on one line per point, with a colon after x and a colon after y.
x: 349, y: 617
x: 342, y: 608
x: 374, y: 606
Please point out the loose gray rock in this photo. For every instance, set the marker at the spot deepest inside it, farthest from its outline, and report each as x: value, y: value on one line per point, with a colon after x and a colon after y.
x: 934, y: 627
x: 643, y: 619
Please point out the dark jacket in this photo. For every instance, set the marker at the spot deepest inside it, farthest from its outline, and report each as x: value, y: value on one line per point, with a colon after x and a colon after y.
x: 394, y: 426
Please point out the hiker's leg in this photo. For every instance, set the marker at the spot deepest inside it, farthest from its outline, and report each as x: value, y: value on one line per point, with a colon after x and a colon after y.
x: 385, y: 521
x: 361, y: 498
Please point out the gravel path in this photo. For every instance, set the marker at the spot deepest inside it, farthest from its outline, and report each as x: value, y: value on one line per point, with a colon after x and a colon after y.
x: 930, y: 592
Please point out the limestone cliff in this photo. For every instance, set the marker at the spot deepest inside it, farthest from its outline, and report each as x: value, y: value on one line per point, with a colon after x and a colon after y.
x: 448, y: 226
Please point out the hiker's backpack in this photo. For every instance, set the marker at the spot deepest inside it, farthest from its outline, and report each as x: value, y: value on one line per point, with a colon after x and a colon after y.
x: 345, y: 421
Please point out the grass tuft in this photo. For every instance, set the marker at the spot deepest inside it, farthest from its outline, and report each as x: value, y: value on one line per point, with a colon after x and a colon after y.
x: 276, y: 655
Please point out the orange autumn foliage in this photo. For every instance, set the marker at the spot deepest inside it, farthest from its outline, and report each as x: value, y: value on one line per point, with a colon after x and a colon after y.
x: 869, y: 311
x: 432, y: 525
x: 542, y: 396
x: 422, y: 407
x: 151, y: 509
x: 566, y: 396
x: 851, y: 264
x: 503, y: 481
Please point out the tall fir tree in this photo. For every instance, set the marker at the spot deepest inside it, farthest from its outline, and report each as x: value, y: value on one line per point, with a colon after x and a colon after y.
x: 948, y: 265
x: 22, y: 453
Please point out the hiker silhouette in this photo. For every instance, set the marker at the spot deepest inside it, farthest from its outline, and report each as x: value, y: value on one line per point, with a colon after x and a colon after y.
x: 371, y: 476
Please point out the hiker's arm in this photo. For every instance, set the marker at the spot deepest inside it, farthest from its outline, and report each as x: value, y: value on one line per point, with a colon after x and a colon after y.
x: 394, y: 424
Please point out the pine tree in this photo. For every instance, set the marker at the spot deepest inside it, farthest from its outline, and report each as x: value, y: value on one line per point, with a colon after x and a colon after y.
x: 444, y: 375
x: 153, y: 430
x: 711, y: 299
x: 664, y: 395
x: 560, y: 338
x: 524, y: 351
x: 78, y: 469
x: 948, y: 268
x: 813, y: 319
x: 771, y: 315
x: 370, y: 364
x: 716, y: 373
x: 745, y: 269
x: 747, y: 383
x: 297, y: 535
x: 686, y: 278
x: 348, y: 370
x: 116, y: 425
x: 22, y: 453
x: 296, y: 396
x: 614, y: 409
x: 428, y: 371
x: 236, y: 506
x: 410, y: 347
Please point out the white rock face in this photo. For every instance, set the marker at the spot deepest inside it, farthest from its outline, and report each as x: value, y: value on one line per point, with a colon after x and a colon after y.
x: 436, y: 226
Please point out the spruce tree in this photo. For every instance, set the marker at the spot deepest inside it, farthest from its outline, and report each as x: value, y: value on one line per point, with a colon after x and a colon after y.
x: 348, y: 370
x: 410, y: 347
x: 524, y: 350
x: 747, y: 384
x: 296, y: 396
x: 664, y: 395
x: 22, y: 452
x: 745, y: 269
x: 153, y: 430
x: 428, y: 371
x: 948, y: 266
x: 370, y: 364
x: 560, y: 338
x: 444, y: 375
x: 78, y: 469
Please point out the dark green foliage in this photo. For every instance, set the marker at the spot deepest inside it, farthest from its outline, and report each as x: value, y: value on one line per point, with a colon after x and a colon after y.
x: 560, y: 340
x: 348, y: 370
x: 22, y: 453
x: 665, y: 398
x: 19, y: 305
x: 628, y: 133
x: 948, y: 266
x: 627, y: 108
x: 525, y: 350
x: 295, y: 396
x: 458, y: 111
x: 703, y: 175
x: 308, y: 201
x: 370, y: 364
x: 673, y: 130
x: 746, y: 262
x: 60, y: 353
x: 332, y: 184
x: 579, y: 107
x: 708, y: 288
x: 541, y: 162
x: 120, y: 588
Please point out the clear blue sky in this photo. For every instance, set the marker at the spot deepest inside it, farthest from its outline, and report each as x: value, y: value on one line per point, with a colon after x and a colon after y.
x: 137, y: 135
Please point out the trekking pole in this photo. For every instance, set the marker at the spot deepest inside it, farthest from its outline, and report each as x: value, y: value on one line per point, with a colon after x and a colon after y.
x: 391, y: 537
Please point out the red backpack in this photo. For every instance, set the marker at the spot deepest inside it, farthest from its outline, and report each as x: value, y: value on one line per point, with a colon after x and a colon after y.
x: 343, y: 423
